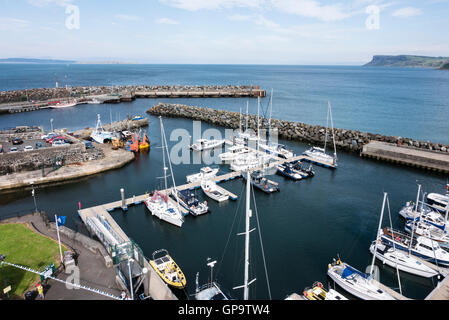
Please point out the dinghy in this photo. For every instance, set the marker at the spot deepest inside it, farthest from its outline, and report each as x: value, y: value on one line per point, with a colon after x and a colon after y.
x: 211, y: 189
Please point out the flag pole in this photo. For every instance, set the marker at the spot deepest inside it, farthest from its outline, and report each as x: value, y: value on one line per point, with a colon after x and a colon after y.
x: 59, y: 239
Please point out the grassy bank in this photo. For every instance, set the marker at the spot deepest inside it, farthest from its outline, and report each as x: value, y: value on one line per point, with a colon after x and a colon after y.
x: 25, y: 247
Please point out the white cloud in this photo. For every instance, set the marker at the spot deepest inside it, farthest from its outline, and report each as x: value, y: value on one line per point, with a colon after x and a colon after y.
x: 195, y: 5
x: 126, y: 17
x: 11, y: 24
x: 239, y: 17
x: 166, y: 21
x: 407, y: 12
x: 42, y: 3
x: 312, y: 9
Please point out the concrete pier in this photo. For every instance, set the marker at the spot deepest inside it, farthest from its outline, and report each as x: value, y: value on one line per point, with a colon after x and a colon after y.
x: 419, y: 158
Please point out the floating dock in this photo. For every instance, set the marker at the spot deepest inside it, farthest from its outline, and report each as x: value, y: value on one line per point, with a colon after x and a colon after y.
x: 430, y: 160
x: 441, y: 292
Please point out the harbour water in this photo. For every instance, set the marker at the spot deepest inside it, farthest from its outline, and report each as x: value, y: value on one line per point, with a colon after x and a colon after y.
x: 303, y: 226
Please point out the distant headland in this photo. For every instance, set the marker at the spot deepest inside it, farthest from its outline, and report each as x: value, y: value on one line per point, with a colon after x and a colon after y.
x: 409, y: 61
x: 56, y: 61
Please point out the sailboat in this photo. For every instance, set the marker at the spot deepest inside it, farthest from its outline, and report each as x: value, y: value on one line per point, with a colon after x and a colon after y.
x: 244, y: 137
x: 211, y: 290
x: 157, y: 202
x: 319, y: 154
x: 396, y: 258
x: 100, y: 135
x: 62, y: 105
x: 357, y: 283
x: 276, y: 149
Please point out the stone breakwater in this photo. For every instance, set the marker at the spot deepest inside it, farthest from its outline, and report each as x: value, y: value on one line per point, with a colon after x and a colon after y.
x: 348, y: 140
x: 44, y: 94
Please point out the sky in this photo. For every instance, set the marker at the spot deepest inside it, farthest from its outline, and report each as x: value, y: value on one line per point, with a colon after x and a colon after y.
x: 300, y: 32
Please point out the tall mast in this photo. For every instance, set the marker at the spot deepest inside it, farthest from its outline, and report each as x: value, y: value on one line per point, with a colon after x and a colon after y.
x: 378, y: 232
x: 163, y: 153
x: 414, y: 219
x: 240, y: 122
x: 258, y: 124
x: 333, y: 133
x: 248, y: 215
x: 269, y: 119
x: 247, y: 282
x: 247, y: 103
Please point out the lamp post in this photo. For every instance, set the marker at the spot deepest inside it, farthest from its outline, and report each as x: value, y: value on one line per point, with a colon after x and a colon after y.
x: 2, y: 258
x: 51, y: 124
x: 34, y: 196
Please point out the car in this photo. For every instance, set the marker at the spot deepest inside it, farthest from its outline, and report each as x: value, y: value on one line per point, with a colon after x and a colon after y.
x: 13, y: 149
x: 17, y: 141
x: 28, y: 148
x: 1, y: 148
x: 39, y: 145
x: 88, y: 144
x: 58, y: 143
x: 50, y: 140
x: 49, y: 135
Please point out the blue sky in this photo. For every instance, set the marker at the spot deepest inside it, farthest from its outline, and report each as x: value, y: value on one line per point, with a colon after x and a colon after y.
x: 224, y: 31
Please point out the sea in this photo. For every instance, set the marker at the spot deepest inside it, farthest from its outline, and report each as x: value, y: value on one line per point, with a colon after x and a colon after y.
x: 300, y: 229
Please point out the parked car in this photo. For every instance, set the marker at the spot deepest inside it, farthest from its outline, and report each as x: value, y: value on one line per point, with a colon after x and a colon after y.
x: 49, y: 135
x: 17, y: 141
x: 1, y: 148
x: 39, y: 145
x: 88, y: 144
x: 13, y: 149
x: 58, y: 143
x: 28, y: 148
x: 50, y: 140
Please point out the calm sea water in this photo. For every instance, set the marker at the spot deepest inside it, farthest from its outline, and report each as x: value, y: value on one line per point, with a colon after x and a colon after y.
x: 303, y: 226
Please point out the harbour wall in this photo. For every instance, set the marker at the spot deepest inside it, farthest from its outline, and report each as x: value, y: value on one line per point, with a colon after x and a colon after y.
x: 348, y: 140
x: 127, y: 93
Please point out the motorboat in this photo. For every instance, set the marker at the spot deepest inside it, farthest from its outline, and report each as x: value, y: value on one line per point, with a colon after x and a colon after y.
x: 100, y: 135
x: 317, y: 292
x: 259, y: 181
x: 420, y: 246
x: 189, y: 201
x: 211, y: 189
x: 167, y: 269
x: 233, y: 152
x: 439, y: 201
x: 401, y: 260
x: 287, y: 170
x: 277, y: 150
x: 206, y: 173
x: 303, y: 170
x: 95, y: 101
x: 355, y: 282
x: 159, y: 206
x: 248, y: 162
x: 61, y: 105
x: 205, y: 144
x: 409, y: 212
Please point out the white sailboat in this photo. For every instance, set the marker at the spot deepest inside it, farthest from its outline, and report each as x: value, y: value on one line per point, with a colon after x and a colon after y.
x: 62, y: 105
x: 100, y: 135
x: 158, y: 203
x: 210, y: 188
x: 319, y: 154
x: 396, y: 258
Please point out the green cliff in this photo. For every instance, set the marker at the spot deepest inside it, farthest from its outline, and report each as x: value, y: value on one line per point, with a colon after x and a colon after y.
x: 408, y: 61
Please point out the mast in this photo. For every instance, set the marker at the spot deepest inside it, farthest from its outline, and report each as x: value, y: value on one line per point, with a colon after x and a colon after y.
x: 414, y: 220
x: 240, y: 122
x: 269, y: 120
x: 378, y: 232
x: 163, y: 152
x: 327, y: 127
x: 247, y: 103
x: 258, y: 124
x: 248, y: 215
x: 247, y: 282
x: 333, y: 133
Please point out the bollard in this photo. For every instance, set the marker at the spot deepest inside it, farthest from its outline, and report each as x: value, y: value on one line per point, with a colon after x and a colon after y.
x: 124, y: 206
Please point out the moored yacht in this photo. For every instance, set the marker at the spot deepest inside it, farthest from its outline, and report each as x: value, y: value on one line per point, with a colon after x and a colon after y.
x: 168, y: 270
x: 206, y: 173
x: 259, y: 181
x: 189, y: 201
x: 157, y: 203
x: 205, y: 144
x: 288, y: 170
x: 439, y: 201
x: 211, y: 189
x: 100, y: 135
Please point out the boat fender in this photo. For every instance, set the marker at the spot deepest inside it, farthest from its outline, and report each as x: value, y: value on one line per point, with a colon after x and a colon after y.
x: 305, y: 293
x: 329, y: 266
x: 319, y: 284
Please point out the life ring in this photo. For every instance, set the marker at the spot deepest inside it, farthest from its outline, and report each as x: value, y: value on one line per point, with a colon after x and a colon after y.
x: 305, y: 293
x: 320, y: 285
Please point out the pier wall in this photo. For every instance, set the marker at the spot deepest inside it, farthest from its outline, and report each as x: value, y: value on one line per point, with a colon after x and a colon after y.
x: 348, y: 140
x: 128, y: 93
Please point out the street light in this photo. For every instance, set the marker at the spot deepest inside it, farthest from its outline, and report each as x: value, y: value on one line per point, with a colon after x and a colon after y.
x: 33, y: 194
x: 51, y: 124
